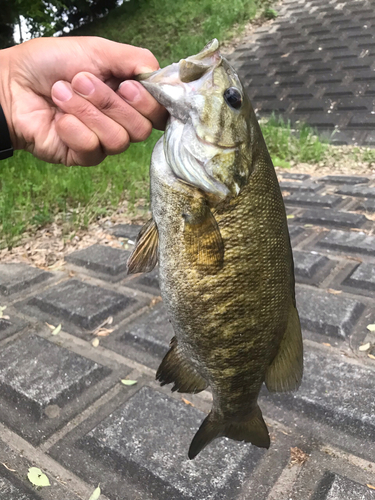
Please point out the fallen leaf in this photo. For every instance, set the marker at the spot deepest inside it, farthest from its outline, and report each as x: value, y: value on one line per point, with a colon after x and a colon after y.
x: 50, y: 326
x: 56, y: 330
x: 155, y: 301
x: 334, y: 292
x: 371, y: 356
x: 187, y: 402
x: 107, y: 321
x: 370, y: 486
x: 308, y: 225
x: 96, y: 494
x: 297, y: 456
x: 2, y: 308
x: 371, y: 328
x: 37, y: 477
x: 95, y: 342
x: 5, y: 316
x: 364, y: 347
x: 290, y: 216
x: 104, y: 332
x: 5, y: 465
x: 125, y: 381
x: 327, y: 344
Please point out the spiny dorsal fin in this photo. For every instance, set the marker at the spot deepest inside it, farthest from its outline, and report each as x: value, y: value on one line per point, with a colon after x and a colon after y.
x: 285, y: 372
x: 144, y: 257
x: 176, y: 369
x: 203, y: 240
x: 250, y: 428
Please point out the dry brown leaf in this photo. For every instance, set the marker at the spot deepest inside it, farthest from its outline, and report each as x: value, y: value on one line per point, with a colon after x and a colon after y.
x: 371, y: 356
x: 297, y: 456
x: 364, y: 347
x: 155, y: 301
x: 104, y: 332
x: 5, y: 465
x: 187, y: 402
x: 370, y: 486
x: 334, y: 292
x: 327, y: 344
x: 51, y: 327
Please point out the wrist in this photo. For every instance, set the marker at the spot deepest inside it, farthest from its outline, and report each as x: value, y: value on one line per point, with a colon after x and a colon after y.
x: 6, y: 95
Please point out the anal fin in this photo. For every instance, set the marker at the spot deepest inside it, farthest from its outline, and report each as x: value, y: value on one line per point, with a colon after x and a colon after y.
x: 144, y: 257
x: 251, y: 429
x: 176, y: 369
x: 285, y: 372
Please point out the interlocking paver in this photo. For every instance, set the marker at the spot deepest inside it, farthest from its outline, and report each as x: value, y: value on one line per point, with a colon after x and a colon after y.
x: 354, y: 242
x: 18, y: 277
x: 324, y: 217
x: 362, y: 277
x: 314, y: 200
x: 307, y: 264
x: 344, y: 179
x: 326, y: 43
x: 108, y: 261
x: 80, y: 303
x: 361, y: 191
x: 335, y: 487
x: 327, y: 313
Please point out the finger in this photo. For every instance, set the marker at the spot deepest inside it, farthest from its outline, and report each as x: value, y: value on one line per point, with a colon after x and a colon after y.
x: 109, y: 103
x: 113, y: 137
x: 138, y: 97
x: 82, y: 143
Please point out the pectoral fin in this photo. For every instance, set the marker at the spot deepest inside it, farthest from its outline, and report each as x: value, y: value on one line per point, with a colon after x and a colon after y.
x: 176, y: 369
x: 285, y: 372
x: 144, y: 257
x: 203, y: 241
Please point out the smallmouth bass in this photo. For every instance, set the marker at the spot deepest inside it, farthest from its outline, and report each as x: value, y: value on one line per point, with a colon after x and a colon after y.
x: 220, y: 235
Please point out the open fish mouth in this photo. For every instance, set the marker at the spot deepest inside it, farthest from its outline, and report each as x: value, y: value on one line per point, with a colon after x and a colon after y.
x: 169, y: 84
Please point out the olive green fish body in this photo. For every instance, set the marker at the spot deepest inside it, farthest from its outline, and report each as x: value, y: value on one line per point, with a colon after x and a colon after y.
x: 226, y: 271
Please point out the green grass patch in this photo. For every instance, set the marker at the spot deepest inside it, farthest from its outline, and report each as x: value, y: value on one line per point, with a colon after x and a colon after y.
x: 286, y: 143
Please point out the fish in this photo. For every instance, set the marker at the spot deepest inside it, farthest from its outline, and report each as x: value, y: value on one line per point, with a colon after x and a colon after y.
x: 220, y: 237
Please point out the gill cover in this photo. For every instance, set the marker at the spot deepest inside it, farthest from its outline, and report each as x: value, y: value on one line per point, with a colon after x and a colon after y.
x: 208, y: 133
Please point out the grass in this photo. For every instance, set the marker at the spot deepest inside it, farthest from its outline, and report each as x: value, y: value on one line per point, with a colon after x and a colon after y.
x: 34, y: 193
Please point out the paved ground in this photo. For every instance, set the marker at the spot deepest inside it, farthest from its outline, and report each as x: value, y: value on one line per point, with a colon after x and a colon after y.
x: 63, y: 408
x: 316, y: 64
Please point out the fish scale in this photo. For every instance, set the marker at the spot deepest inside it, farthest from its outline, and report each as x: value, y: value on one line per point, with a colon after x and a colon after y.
x: 224, y: 253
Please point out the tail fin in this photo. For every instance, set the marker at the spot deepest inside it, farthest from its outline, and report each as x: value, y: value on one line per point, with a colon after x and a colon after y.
x: 251, y: 429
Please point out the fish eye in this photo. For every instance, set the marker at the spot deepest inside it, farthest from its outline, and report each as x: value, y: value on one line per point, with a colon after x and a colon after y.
x: 233, y: 97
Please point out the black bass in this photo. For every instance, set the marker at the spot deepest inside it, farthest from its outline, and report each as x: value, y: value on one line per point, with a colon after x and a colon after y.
x: 220, y: 235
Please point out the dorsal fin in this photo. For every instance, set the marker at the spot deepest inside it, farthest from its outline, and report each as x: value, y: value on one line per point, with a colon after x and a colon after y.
x: 144, y: 257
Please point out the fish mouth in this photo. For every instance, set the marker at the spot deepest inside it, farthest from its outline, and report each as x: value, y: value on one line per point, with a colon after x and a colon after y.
x: 168, y: 85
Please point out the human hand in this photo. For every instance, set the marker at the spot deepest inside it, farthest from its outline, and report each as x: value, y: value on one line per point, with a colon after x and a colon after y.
x: 62, y: 103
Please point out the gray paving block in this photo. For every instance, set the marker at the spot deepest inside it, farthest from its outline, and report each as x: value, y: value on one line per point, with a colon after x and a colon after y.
x: 82, y: 304
x: 101, y: 258
x: 363, y: 277
x: 335, y: 487
x: 36, y: 373
x: 361, y: 191
x: 337, y: 392
x: 307, y: 264
x: 326, y: 313
x: 324, y: 217
x: 147, y: 439
x: 297, y: 177
x: 129, y: 231
x: 16, y: 490
x: 10, y: 326
x: 344, y: 179
x: 151, y: 332
x: 18, y: 277
x: 315, y: 200
x: 367, y: 206
x: 301, y: 187
x: 348, y: 241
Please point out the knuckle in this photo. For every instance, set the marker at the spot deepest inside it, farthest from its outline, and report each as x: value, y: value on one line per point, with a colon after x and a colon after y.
x: 105, y: 103
x: 142, y: 132
x: 119, y: 142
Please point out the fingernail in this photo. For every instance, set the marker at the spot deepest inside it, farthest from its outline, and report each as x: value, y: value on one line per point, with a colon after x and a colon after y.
x: 62, y: 91
x: 83, y: 85
x: 129, y: 91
